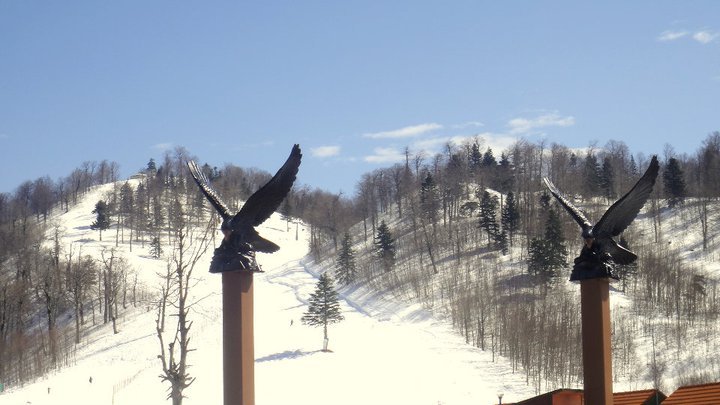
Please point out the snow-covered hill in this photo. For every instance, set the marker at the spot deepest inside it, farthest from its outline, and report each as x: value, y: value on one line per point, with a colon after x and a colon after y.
x: 383, y: 352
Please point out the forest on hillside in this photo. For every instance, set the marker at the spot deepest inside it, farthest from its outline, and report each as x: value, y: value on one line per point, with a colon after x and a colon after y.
x: 477, y: 236
x: 468, y: 231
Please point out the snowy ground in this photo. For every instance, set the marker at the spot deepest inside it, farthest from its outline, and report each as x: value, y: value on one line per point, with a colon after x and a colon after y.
x: 382, y: 353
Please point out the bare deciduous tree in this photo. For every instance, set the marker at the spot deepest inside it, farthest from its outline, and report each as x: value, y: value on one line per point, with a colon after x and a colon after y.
x: 176, y: 293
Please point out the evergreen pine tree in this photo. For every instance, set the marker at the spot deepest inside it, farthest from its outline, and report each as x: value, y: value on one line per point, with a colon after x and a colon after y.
x: 632, y: 167
x: 591, y: 176
x: 501, y: 241
x: 151, y: 167
x: 127, y: 205
x: 345, y: 269
x: 158, y: 218
x: 510, y: 216
x: 607, y: 178
x: 324, y: 308
x: 537, y: 257
x: 489, y: 159
x: 548, y: 255
x: 429, y: 198
x: 156, y: 248
x: 102, y: 219
x: 505, y: 177
x: 674, y: 182
x: 488, y: 214
x: 141, y: 208
x: 475, y: 158
x: 385, y: 246
x: 127, y: 199
x: 545, y: 201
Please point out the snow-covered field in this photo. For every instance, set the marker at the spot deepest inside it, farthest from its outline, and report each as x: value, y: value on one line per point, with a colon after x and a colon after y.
x: 382, y: 353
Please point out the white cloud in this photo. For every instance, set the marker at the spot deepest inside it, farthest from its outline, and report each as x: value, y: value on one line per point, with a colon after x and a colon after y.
x: 385, y: 155
x: 163, y: 146
x: 705, y: 37
x: 525, y: 125
x: 469, y: 124
x: 497, y: 142
x: 671, y: 35
x: 406, y: 132
x: 325, y: 151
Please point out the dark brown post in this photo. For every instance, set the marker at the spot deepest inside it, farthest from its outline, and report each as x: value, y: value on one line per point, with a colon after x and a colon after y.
x: 238, y: 338
x: 597, y: 359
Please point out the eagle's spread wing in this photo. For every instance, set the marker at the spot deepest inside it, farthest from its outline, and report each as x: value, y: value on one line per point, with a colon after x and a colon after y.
x: 624, y: 211
x: 212, y: 196
x: 569, y: 207
x: 268, y: 198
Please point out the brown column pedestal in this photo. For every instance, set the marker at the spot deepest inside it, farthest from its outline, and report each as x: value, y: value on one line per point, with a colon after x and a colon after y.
x: 597, y: 356
x: 238, y: 338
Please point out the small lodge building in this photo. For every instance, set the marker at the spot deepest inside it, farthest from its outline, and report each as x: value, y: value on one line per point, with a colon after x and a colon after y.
x: 703, y: 394
x: 575, y: 397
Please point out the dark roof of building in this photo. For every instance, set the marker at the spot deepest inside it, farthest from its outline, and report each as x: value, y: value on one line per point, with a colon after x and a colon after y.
x: 702, y: 394
x: 644, y: 397
x: 547, y: 398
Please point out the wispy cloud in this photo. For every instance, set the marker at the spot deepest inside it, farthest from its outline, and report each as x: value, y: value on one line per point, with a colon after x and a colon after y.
x: 705, y: 37
x: 406, y: 132
x: 4, y: 136
x: 666, y: 36
x: 163, y: 146
x: 385, y: 155
x: 469, y: 124
x: 325, y: 151
x: 497, y: 142
x: 702, y: 36
x: 436, y: 144
x: 524, y: 125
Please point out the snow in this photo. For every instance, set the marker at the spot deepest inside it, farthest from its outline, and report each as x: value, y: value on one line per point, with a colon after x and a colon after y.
x: 383, y: 352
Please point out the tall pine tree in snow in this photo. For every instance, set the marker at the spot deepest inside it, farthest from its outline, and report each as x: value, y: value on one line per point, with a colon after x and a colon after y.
x: 102, y: 219
x: 429, y: 198
x: 324, y: 307
x: 488, y: 159
x: 385, y: 246
x: 510, y: 216
x: 475, y: 158
x: 607, y: 179
x: 674, y: 183
x: 548, y: 255
x: 488, y: 214
x: 345, y: 269
x: 591, y: 176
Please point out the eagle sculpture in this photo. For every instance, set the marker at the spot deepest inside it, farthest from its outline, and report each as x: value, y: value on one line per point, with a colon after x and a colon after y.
x: 600, y: 251
x: 240, y: 239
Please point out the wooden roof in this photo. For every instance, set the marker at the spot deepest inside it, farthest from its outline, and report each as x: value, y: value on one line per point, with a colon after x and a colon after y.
x: 702, y: 394
x: 563, y: 396
x: 644, y: 397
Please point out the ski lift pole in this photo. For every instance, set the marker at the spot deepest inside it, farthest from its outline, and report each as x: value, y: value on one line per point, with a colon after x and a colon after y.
x: 238, y: 338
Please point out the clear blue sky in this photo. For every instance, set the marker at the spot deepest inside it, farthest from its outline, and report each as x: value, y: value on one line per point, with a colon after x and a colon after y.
x: 354, y: 82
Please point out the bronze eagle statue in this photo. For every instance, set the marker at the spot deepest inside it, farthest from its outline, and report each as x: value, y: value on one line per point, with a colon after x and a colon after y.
x: 240, y: 238
x: 599, y: 245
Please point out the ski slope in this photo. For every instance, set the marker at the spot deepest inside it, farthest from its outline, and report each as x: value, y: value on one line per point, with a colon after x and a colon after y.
x: 383, y: 352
